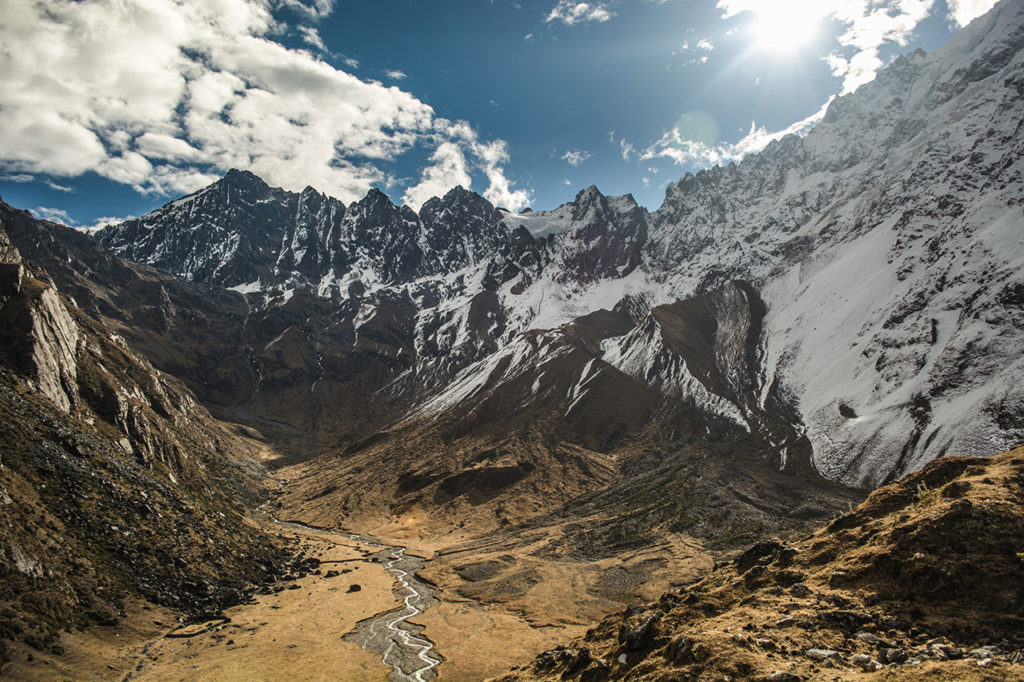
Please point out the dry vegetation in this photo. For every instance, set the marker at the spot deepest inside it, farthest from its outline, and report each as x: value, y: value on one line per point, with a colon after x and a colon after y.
x: 923, y: 581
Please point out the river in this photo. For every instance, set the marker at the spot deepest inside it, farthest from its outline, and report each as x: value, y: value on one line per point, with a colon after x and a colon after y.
x: 400, y: 643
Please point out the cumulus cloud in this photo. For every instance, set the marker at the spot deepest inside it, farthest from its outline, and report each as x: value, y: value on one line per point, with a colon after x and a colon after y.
x: 575, y: 156
x: 448, y: 169
x: 452, y: 161
x: 311, y: 9
x: 697, y: 51
x: 396, y: 75
x: 165, y: 95
x: 493, y: 155
x: 569, y: 12
x: 99, y: 223
x: 681, y: 150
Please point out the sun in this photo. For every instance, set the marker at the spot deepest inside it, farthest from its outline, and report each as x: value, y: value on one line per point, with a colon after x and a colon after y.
x: 785, y: 26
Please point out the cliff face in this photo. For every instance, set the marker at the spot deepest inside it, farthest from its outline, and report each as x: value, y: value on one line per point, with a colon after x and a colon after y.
x: 115, y: 483
x: 39, y: 336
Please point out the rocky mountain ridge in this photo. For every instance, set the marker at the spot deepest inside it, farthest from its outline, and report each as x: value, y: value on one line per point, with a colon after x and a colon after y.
x: 884, y: 246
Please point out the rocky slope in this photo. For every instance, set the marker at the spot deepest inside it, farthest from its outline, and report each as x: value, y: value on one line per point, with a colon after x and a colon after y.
x: 543, y: 422
x: 884, y: 248
x: 922, y: 581
x: 115, y: 483
x: 570, y: 386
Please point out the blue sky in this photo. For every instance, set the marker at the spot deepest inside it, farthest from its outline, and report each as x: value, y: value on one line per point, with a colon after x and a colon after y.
x: 110, y: 109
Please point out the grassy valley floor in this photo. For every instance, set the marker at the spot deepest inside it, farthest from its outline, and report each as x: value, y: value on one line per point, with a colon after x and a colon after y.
x: 293, y: 633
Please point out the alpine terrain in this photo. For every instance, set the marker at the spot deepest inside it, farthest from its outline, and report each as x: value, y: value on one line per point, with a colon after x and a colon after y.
x: 498, y: 428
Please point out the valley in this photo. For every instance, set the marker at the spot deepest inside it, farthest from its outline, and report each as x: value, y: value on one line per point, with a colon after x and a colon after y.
x: 767, y: 431
x: 298, y: 626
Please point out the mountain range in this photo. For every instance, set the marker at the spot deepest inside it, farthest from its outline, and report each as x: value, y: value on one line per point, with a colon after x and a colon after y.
x: 779, y: 337
x: 878, y: 258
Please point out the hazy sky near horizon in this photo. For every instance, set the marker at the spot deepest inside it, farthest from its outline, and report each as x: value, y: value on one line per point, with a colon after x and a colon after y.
x: 110, y: 108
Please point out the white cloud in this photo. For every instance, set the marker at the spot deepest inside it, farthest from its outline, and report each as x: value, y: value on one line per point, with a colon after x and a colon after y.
x: 448, y: 169
x: 54, y: 215
x: 674, y: 146
x: 499, y: 189
x: 160, y: 146
x: 965, y: 11
x: 59, y: 188
x: 700, y: 51
x: 570, y: 12
x: 626, y: 148
x: 311, y: 36
x: 575, y: 156
x: 396, y: 75
x: 165, y: 95
x: 869, y: 25
x: 59, y: 215
x: 452, y: 161
x: 313, y: 10
x: 100, y: 223
x: 19, y: 178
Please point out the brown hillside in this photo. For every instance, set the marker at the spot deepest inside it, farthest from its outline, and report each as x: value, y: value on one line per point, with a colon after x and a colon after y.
x: 924, y: 580
x: 115, y: 484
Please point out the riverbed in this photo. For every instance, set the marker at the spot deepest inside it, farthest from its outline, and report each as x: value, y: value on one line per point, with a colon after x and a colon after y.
x: 400, y: 642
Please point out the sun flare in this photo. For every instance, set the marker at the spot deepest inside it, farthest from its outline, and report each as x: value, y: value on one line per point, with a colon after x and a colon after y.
x: 785, y: 26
